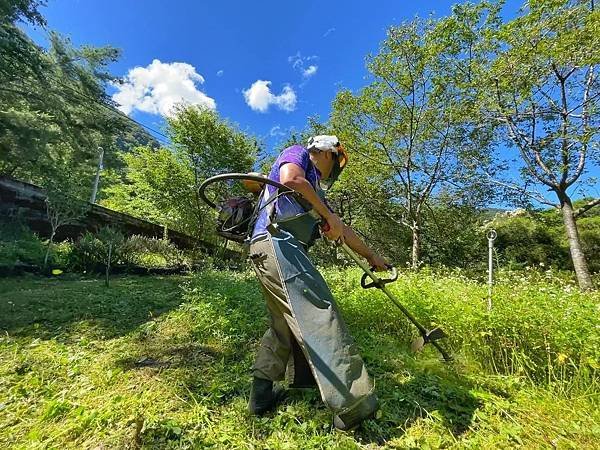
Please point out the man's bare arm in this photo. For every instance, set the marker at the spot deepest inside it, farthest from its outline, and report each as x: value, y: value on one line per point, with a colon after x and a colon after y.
x: 356, y: 244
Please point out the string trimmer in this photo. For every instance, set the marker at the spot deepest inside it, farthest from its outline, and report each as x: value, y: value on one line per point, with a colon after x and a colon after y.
x: 238, y: 214
x: 426, y: 336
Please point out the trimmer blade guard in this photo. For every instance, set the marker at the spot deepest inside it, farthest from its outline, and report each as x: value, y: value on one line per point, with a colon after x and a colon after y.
x: 435, y: 334
x: 430, y: 336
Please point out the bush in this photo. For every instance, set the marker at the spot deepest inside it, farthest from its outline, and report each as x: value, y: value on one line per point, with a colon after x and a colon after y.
x: 530, y: 239
x: 19, y: 245
x: 90, y: 252
x: 152, y: 252
x: 87, y: 254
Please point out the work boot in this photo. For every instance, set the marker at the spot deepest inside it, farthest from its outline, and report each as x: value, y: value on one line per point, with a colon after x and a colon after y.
x: 350, y: 419
x: 263, y: 397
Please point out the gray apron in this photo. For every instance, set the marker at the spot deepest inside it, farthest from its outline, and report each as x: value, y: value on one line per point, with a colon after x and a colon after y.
x: 307, y: 337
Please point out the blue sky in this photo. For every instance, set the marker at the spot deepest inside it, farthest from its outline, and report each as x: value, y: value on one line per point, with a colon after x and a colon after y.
x: 313, y: 48
x: 289, y: 57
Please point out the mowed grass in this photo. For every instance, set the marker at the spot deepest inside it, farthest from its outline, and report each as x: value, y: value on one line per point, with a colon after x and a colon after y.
x: 163, y: 362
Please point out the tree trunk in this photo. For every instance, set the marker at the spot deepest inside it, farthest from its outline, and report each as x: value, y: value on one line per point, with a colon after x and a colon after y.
x: 107, y: 280
x: 416, y: 246
x: 48, y: 248
x: 579, y: 263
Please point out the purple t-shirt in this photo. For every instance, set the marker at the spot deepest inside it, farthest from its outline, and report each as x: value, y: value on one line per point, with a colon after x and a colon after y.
x: 285, y: 206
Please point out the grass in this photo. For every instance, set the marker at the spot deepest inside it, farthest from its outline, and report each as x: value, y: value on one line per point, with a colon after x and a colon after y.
x: 163, y: 362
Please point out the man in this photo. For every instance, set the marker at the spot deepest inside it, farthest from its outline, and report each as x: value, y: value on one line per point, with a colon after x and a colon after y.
x: 307, y: 337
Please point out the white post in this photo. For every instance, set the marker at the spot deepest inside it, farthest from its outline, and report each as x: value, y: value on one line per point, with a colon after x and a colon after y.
x: 97, y: 180
x: 491, y: 236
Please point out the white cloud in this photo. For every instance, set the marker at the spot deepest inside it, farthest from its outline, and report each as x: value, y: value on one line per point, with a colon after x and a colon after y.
x: 310, y: 71
x: 298, y: 61
x: 259, y: 97
x: 276, y: 131
x: 220, y: 73
x: 157, y: 88
x: 303, y: 65
x: 328, y: 32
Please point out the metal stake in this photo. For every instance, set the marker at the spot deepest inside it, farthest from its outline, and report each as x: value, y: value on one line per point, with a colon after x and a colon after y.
x: 491, y: 237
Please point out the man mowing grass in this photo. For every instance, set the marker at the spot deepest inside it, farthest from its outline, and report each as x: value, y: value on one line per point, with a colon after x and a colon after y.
x: 307, y: 337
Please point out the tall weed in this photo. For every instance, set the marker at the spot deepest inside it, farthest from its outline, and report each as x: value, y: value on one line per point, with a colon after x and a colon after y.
x: 541, y: 327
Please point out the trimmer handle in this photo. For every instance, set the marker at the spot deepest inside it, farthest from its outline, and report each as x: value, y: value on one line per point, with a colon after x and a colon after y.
x: 380, y: 281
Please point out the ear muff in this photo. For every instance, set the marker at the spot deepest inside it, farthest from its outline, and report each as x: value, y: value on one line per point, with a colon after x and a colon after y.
x: 342, y: 156
x: 338, y: 166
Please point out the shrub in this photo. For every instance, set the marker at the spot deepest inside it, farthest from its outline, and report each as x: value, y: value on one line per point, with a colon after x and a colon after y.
x: 90, y: 252
x: 19, y: 245
x: 152, y: 252
x: 589, y: 231
x: 86, y: 255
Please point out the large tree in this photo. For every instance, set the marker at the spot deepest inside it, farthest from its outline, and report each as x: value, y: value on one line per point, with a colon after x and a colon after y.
x: 410, y: 128
x: 541, y: 86
x: 158, y: 185
x: 211, y: 145
x: 54, y: 110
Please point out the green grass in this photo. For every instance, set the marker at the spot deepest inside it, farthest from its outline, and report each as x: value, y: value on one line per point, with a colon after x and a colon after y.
x: 163, y: 362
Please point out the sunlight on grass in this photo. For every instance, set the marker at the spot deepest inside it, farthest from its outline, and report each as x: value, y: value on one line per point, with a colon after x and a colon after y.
x: 164, y: 362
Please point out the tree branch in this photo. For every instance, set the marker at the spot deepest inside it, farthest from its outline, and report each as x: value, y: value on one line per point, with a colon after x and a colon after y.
x: 533, y: 195
x: 586, y: 207
x: 585, y: 118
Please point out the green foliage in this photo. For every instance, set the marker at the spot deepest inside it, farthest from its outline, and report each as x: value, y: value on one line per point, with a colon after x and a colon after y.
x: 163, y: 362
x: 411, y: 131
x: 540, y: 328
x: 86, y: 254
x: 212, y: 144
x: 162, y: 185
x: 90, y: 252
x: 18, y: 245
x: 538, y: 238
x: 158, y: 186
x: 26, y: 10
x: 589, y: 232
x: 453, y: 236
x: 96, y: 251
x: 54, y: 111
x: 539, y: 87
x: 151, y: 252
x: 524, y: 241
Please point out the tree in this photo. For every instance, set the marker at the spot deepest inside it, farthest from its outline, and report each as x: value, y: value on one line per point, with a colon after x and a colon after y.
x: 61, y: 209
x: 54, y: 110
x: 159, y: 186
x: 13, y: 10
x: 112, y: 244
x: 542, y: 88
x: 211, y: 146
x: 410, y: 128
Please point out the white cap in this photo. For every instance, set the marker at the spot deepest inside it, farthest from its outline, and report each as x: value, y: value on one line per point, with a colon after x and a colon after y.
x: 323, y: 143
